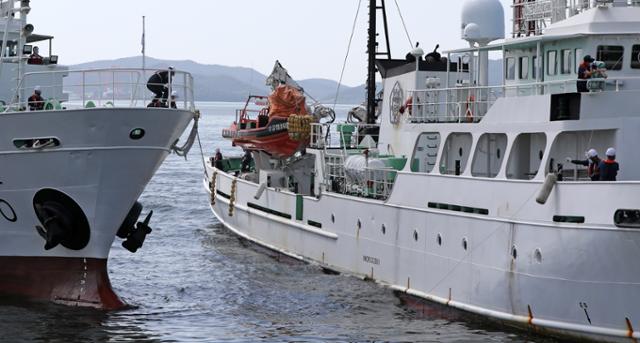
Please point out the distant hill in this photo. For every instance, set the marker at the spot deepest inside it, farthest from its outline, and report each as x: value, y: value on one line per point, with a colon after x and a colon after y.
x: 223, y: 83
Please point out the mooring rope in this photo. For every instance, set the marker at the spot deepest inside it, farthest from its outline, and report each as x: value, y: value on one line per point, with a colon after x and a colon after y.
x: 346, y: 58
x: 183, y: 150
x: 404, y: 25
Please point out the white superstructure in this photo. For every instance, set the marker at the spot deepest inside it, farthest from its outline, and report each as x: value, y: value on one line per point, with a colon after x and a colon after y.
x: 71, y: 172
x: 453, y: 215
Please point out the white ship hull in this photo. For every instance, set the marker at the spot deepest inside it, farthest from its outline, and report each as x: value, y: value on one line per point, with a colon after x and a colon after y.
x: 578, y: 280
x: 97, y: 165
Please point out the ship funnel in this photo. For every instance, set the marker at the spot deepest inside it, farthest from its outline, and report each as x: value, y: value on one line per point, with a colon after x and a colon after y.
x: 482, y: 21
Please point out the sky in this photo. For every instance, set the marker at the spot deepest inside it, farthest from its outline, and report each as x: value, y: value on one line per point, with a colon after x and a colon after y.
x: 309, y: 37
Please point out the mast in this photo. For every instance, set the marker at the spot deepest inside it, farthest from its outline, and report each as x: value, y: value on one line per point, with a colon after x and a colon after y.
x: 372, y: 53
x: 371, y: 68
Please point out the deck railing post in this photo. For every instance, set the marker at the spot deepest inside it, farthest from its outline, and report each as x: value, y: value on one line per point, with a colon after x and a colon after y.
x: 83, y: 88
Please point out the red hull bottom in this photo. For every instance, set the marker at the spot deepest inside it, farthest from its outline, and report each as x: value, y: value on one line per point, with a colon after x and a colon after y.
x: 82, y: 282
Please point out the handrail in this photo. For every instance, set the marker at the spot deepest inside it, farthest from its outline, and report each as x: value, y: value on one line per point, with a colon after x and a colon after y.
x: 106, y: 86
x: 349, y: 135
x: 450, y: 103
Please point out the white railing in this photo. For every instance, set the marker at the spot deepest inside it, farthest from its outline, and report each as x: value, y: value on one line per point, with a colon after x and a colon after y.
x: 471, y: 104
x: 98, y: 88
x: 532, y: 17
x: 344, y: 136
x: 375, y: 183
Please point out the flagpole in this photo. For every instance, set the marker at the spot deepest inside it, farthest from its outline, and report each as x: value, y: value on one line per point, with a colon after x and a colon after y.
x: 144, y: 55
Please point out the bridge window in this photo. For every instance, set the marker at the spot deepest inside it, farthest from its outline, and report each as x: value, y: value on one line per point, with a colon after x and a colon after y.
x: 552, y: 63
x: 574, y: 144
x: 635, y: 57
x: 611, y: 55
x: 511, y: 68
x: 534, y: 68
x: 425, y: 155
x: 567, y: 59
x: 526, y: 156
x: 487, y: 160
x: 524, y: 68
x: 456, y: 153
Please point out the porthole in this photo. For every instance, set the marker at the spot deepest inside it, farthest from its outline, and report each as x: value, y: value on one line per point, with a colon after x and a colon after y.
x: 465, y: 244
x: 384, y: 229
x: 415, y: 235
x: 439, y: 239
x: 333, y: 218
x: 537, y: 255
x: 136, y: 134
x: 514, y: 252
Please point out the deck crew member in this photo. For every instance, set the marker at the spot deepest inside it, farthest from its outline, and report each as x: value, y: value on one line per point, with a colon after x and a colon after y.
x: 245, y: 166
x: 584, y: 73
x: 592, y: 162
x: 217, y: 159
x: 174, y: 96
x: 609, y: 168
x: 159, y: 83
x: 36, y: 102
x: 35, y: 57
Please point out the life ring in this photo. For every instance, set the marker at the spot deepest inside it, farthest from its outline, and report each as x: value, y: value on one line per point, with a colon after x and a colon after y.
x: 469, y: 112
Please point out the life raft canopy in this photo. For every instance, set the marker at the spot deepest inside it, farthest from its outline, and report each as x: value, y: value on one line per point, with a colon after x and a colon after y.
x: 285, y: 101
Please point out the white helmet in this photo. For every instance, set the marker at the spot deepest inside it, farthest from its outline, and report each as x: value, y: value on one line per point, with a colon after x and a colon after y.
x: 37, y: 89
x: 592, y: 153
x: 611, y: 152
x: 174, y: 94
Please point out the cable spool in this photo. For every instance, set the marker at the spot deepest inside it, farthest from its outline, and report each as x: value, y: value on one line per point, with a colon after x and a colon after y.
x: 232, y: 197
x: 212, y: 187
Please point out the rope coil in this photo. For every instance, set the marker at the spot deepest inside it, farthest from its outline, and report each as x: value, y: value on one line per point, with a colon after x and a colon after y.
x: 232, y: 197
x: 212, y: 187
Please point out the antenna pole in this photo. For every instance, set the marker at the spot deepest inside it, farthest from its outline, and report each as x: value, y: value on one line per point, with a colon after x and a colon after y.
x: 371, y: 69
x: 144, y: 53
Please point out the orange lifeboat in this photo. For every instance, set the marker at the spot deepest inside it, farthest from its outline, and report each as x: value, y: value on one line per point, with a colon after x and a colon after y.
x: 268, y: 131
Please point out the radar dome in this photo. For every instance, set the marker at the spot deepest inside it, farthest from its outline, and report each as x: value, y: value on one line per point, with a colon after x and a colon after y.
x: 482, y: 21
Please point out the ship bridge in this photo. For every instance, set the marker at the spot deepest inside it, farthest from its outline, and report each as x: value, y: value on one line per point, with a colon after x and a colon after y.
x: 542, y: 62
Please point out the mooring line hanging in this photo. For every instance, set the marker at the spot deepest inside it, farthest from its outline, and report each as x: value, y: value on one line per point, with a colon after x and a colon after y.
x: 346, y: 58
x: 183, y: 150
x: 404, y: 25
